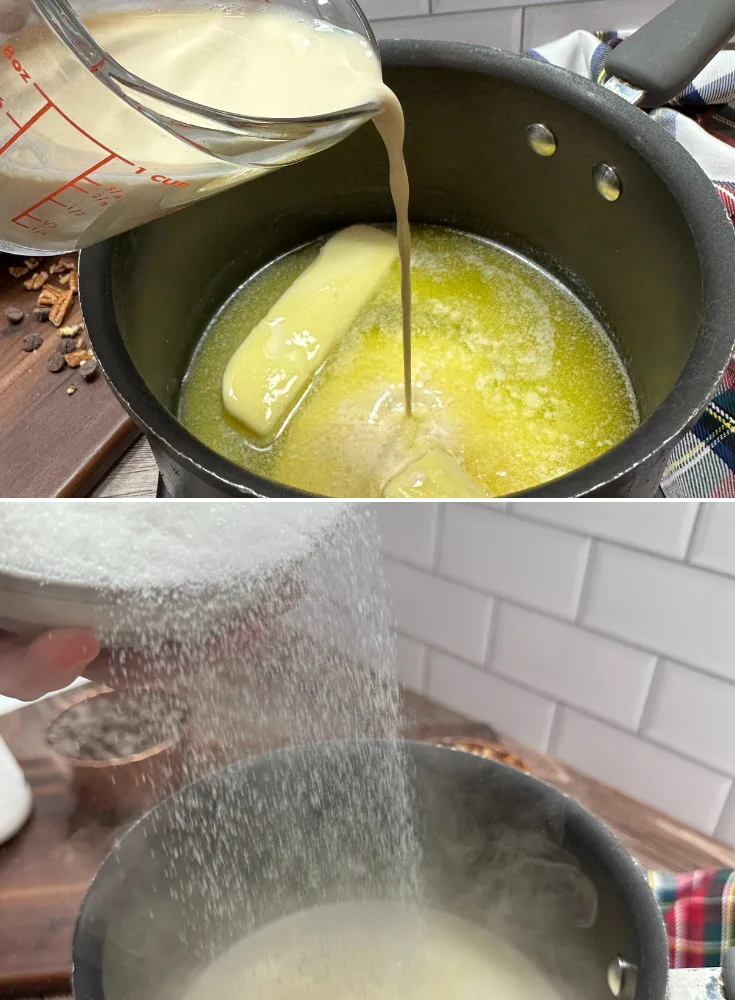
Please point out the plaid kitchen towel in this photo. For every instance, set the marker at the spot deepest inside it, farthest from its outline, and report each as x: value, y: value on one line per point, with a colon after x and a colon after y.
x: 699, y: 912
x: 702, y: 119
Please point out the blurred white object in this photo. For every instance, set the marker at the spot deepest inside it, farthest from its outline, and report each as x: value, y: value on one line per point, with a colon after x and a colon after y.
x: 13, y: 704
x: 16, y: 800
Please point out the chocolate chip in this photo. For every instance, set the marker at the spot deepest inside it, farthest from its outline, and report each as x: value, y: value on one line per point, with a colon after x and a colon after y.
x: 56, y: 362
x: 89, y: 369
x: 32, y: 341
x: 66, y: 346
x: 42, y: 313
x: 13, y: 314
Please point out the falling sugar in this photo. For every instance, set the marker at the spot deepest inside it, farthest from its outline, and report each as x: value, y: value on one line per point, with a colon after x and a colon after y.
x: 271, y: 622
x: 319, y: 672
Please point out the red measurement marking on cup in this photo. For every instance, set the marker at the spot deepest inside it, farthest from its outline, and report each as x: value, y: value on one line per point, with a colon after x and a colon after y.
x: 97, y: 193
x: 84, y: 182
x: 74, y: 183
x: 22, y: 129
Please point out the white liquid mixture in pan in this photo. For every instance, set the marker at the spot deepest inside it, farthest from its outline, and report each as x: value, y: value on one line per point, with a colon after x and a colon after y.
x: 371, y: 951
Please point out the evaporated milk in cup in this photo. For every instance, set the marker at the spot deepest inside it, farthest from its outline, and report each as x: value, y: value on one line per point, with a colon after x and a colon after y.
x: 78, y: 164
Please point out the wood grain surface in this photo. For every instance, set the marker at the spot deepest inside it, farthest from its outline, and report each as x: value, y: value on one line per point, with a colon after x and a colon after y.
x: 134, y: 475
x: 45, y: 870
x: 52, y: 444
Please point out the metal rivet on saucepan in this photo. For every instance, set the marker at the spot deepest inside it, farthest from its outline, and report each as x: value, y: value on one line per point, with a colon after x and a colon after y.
x: 607, y: 182
x: 621, y: 977
x: 541, y: 139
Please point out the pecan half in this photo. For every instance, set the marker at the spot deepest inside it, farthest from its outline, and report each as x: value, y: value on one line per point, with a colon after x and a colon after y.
x: 61, y: 308
x: 63, y: 265
x: 76, y: 358
x: 49, y: 296
x: 36, y: 281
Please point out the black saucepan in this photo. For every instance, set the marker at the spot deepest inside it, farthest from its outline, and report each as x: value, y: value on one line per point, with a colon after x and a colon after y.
x: 657, y: 263
x: 265, y: 837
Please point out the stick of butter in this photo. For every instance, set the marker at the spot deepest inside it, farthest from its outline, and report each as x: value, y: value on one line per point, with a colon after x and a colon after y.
x: 435, y: 474
x: 268, y: 373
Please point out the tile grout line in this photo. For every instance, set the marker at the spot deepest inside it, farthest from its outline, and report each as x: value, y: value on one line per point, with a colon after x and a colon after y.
x: 696, y: 527
x: 725, y: 804
x: 492, y: 635
x: 554, y: 725
x: 721, y: 813
x: 654, y: 684
x: 438, y: 536
x: 585, y: 584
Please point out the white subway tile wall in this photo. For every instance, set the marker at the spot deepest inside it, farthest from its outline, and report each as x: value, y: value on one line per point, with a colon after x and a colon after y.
x: 726, y: 827
x: 492, y: 552
x: 714, y: 541
x: 695, y: 714
x: 441, y: 614
x: 502, y: 29
x: 457, y: 685
x: 596, y: 674
x: 502, y: 23
x: 411, y: 657
x: 543, y: 24
x: 410, y: 534
x: 662, y: 605
x: 599, y: 632
x: 669, y: 534
x: 685, y: 790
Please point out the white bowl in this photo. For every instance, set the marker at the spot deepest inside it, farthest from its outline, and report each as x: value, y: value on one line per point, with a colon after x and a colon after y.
x: 36, y: 597
x: 30, y: 606
x: 16, y: 800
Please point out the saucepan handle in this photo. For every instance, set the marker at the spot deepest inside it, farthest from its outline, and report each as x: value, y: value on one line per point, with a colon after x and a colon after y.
x: 663, y: 57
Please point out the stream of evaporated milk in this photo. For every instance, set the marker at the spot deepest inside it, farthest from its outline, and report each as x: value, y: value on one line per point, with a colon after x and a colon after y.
x: 391, y: 127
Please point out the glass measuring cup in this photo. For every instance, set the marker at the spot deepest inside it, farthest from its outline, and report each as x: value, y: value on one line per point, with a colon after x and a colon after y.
x: 91, y: 146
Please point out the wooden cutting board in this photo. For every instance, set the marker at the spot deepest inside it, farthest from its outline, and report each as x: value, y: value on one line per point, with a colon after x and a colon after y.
x: 52, y: 444
x: 45, y: 870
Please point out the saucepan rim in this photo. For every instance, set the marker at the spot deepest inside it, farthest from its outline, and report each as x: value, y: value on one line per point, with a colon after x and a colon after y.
x: 610, y: 853
x: 694, y: 193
